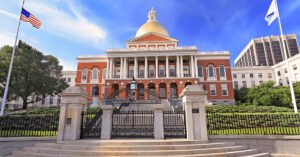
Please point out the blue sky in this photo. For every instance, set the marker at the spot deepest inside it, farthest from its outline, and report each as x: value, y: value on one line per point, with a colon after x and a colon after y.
x: 86, y: 27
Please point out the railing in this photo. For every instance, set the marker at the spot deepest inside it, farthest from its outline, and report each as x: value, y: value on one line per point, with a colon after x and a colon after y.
x: 127, y: 101
x: 32, y: 125
x: 253, y: 124
x: 133, y: 124
x: 91, y: 124
x: 174, y: 124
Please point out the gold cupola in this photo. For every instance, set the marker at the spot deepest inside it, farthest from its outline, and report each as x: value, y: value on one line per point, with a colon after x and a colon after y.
x: 152, y: 25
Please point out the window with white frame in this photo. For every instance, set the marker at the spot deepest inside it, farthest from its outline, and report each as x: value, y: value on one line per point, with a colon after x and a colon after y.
x: 213, y: 91
x: 186, y: 70
x: 95, y: 74
x: 252, y: 84
x: 131, y: 71
x: 200, y: 71
x: 161, y: 70
x: 236, y: 84
x: 104, y: 74
x: 142, y: 71
x: 172, y: 71
x: 224, y: 89
x: 84, y: 74
x: 151, y: 71
x: 211, y: 71
x: 222, y: 71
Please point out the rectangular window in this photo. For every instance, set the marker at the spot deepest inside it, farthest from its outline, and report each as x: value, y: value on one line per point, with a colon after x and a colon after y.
x: 243, y: 76
x: 234, y: 75
x: 269, y: 75
x: 51, y: 99
x: 131, y: 71
x: 244, y: 84
x: 252, y: 84
x: 285, y: 70
x: 141, y: 72
x: 161, y: 71
x: 236, y: 84
x: 260, y: 82
x: 213, y: 90
x: 224, y: 90
x: 260, y: 75
x: 151, y: 71
x: 251, y: 75
x: 186, y: 70
x: 69, y: 79
x: 172, y: 71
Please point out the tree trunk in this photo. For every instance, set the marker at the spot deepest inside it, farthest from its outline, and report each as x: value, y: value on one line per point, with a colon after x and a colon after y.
x: 25, y: 103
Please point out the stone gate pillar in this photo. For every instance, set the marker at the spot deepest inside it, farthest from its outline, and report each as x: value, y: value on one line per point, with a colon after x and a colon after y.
x: 158, y: 122
x: 194, y: 99
x: 74, y: 101
x: 106, y: 121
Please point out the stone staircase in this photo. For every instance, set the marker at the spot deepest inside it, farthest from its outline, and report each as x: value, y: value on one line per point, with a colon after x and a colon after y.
x: 142, y: 148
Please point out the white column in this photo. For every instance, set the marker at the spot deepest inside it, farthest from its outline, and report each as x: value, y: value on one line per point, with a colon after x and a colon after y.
x: 107, y: 69
x: 167, y: 66
x: 135, y: 67
x: 192, y: 66
x: 125, y: 68
x: 121, y: 67
x: 111, y: 68
x: 146, y: 67
x: 196, y: 66
x: 156, y: 66
x: 181, y: 66
x: 177, y: 66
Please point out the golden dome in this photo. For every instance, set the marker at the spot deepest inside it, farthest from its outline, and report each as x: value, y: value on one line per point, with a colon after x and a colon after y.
x: 152, y: 25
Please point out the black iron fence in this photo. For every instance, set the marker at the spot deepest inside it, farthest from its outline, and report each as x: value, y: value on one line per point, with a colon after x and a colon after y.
x: 32, y: 125
x: 253, y: 124
x: 174, y: 124
x: 128, y: 101
x: 91, y: 124
x: 133, y: 124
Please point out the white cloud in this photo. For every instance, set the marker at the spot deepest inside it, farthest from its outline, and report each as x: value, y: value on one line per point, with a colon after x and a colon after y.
x: 72, y: 25
x: 9, y: 14
x: 6, y: 39
x: 68, y: 65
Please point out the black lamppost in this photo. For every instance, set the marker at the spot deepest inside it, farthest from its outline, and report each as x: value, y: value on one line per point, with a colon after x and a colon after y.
x: 133, y: 88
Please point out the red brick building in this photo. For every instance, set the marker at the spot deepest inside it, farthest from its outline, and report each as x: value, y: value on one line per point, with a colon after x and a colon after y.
x: 161, y: 67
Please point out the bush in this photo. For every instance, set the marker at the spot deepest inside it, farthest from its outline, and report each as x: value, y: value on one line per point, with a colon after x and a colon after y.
x: 246, y: 109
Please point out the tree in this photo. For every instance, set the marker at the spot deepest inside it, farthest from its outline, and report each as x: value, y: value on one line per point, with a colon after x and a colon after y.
x: 33, y: 74
x: 240, y: 95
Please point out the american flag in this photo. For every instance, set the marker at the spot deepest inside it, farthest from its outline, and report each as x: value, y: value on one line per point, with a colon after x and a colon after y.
x: 27, y: 17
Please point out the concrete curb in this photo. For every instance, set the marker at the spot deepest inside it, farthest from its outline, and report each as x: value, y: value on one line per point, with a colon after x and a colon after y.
x: 17, y: 139
x: 275, y: 137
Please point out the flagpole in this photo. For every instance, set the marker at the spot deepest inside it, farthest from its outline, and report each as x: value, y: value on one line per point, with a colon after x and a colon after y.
x: 10, y: 66
x: 287, y: 63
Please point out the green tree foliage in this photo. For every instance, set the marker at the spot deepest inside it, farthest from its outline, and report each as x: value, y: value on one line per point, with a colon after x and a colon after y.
x: 267, y: 94
x: 33, y: 74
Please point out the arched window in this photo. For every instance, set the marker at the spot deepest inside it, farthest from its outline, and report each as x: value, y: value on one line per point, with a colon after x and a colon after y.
x: 200, y: 71
x: 222, y: 71
x: 115, y: 90
x: 151, y: 91
x: 84, y: 74
x: 162, y: 90
x: 211, y: 71
x: 173, y: 90
x: 95, y: 74
x: 141, y: 91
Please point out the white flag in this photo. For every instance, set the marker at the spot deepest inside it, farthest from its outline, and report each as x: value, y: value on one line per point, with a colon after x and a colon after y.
x: 272, y: 13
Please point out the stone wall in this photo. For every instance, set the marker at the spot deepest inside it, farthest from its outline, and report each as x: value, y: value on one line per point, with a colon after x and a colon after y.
x: 275, y: 144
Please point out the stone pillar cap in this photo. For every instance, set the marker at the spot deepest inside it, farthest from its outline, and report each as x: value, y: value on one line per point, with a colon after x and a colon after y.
x: 75, y: 91
x: 193, y: 90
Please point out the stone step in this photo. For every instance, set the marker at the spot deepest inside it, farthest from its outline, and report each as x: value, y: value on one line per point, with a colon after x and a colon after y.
x: 131, y: 142
x: 258, y: 155
x: 133, y: 148
x: 134, y: 153
x: 285, y: 155
x: 221, y: 154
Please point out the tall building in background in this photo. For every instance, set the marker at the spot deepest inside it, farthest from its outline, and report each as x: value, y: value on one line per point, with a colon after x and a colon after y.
x: 267, y: 51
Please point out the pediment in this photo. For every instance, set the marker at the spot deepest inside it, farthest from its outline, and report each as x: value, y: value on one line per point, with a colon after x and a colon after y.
x: 152, y: 37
